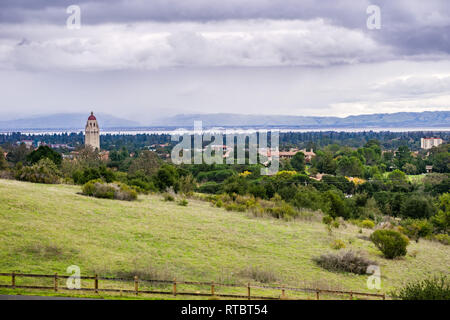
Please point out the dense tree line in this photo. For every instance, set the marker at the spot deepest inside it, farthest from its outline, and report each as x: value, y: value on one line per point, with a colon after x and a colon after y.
x: 309, y: 140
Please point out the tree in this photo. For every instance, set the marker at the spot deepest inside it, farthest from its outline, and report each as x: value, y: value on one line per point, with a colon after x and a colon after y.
x: 187, y: 184
x: 147, y: 162
x: 88, y: 157
x: 409, y: 168
x: 369, y: 155
x: 441, y: 162
x: 441, y: 220
x: 18, y: 154
x: 402, y: 156
x: 397, y: 176
x: 236, y: 184
x: 324, y: 162
x: 388, y: 156
x: 298, y: 162
x: 166, y: 177
x: 417, y: 207
x: 398, y: 180
x: 120, y: 159
x: 44, y: 152
x: 350, y: 167
x: 336, y: 206
x: 3, y: 162
x: 440, y: 158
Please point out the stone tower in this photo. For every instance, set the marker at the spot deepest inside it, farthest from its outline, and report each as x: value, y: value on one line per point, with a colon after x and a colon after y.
x: 92, y: 133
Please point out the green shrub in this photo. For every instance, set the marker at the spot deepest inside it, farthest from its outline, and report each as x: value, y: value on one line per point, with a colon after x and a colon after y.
x: 118, y: 191
x: 442, y: 238
x: 218, y: 203
x: 416, y: 229
x: 124, y: 192
x: 336, y: 205
x: 183, y: 202
x: 168, y: 197
x: 167, y: 177
x: 282, y: 211
x: 337, y: 244
x: 435, y: 288
x: 44, y: 171
x: 88, y: 174
x: 215, y: 175
x: 441, y: 220
x: 327, y: 220
x: 368, y: 224
x: 347, y: 261
x: 391, y: 243
x: 3, y: 163
x: 235, y: 207
x: 143, y: 185
x: 209, y: 187
x: 89, y: 187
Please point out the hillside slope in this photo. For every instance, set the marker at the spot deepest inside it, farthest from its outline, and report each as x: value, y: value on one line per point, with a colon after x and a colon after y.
x: 65, y: 121
x: 46, y: 228
x: 427, y: 119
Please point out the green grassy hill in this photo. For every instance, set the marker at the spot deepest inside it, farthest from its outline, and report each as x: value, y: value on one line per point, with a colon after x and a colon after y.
x: 46, y: 228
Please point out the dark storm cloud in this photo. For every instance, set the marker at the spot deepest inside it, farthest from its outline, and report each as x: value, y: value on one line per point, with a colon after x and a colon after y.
x: 414, y: 27
x: 98, y: 11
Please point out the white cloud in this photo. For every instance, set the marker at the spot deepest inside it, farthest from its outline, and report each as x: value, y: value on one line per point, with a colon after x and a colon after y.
x: 253, y: 43
x: 440, y: 103
x: 415, y: 84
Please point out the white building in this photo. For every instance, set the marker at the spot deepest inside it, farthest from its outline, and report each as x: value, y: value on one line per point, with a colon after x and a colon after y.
x: 92, y: 133
x: 428, y: 143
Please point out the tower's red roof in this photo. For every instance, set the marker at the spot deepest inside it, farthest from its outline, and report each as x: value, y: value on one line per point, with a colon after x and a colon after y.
x: 92, y: 117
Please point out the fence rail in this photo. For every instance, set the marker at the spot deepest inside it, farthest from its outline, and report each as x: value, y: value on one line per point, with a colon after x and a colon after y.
x: 175, y: 284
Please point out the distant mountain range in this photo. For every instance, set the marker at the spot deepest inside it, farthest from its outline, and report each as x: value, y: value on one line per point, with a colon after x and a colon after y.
x: 65, y: 121
x: 427, y: 119
x: 76, y: 121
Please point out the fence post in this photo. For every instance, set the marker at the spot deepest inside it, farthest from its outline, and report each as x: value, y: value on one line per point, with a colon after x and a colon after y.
x: 56, y: 282
x: 248, y: 291
x: 174, y: 286
x: 384, y: 296
x: 282, y: 294
x: 351, y: 295
x: 212, y: 288
x: 13, y: 280
x: 96, y: 283
x: 136, y: 285
x: 317, y: 294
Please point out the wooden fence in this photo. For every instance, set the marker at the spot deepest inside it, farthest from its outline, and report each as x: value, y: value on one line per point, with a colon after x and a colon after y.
x: 175, y: 288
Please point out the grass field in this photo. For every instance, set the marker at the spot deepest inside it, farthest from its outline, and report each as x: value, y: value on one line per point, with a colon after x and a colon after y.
x: 46, y: 228
x: 413, y: 178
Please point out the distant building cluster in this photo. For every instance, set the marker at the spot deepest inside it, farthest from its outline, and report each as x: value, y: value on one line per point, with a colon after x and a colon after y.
x: 287, y: 154
x: 34, y: 144
x: 428, y: 143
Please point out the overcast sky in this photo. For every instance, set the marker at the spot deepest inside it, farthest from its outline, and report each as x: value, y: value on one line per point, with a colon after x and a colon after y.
x: 147, y: 59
